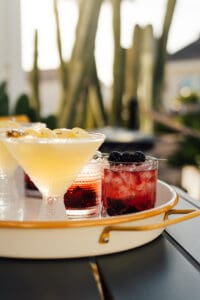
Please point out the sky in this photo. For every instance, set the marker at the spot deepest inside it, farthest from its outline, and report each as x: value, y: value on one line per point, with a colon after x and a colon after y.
x: 38, y: 14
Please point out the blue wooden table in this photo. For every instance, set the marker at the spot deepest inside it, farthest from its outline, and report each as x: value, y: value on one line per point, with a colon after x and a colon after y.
x: 166, y: 269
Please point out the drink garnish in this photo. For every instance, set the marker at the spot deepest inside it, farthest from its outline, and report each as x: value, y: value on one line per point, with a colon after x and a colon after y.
x: 139, y: 156
x: 126, y: 156
x: 115, y: 156
x: 48, y: 133
x: 14, y: 133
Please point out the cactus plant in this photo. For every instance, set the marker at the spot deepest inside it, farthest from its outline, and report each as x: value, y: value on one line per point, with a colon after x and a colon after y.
x: 80, y: 64
x: 63, y: 64
x: 102, y: 113
x: 145, y: 83
x: 161, y: 54
x: 34, y: 81
x: 133, y: 65
x: 81, y: 101
x: 118, y: 67
x: 147, y: 58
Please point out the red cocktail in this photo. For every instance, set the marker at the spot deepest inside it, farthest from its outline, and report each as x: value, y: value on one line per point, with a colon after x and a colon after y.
x: 129, y: 187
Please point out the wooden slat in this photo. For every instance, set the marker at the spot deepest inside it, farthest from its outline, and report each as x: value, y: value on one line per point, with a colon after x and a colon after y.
x: 154, y: 271
x: 47, y: 280
x: 186, y: 234
x: 184, y: 196
x: 167, y: 268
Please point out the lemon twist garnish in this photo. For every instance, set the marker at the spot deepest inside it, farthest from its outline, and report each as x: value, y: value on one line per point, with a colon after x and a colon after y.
x: 62, y: 132
x: 15, y: 133
x: 79, y: 132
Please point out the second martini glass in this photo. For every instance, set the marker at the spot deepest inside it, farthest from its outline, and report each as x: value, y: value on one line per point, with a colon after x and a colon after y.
x: 52, y: 163
x: 11, y: 206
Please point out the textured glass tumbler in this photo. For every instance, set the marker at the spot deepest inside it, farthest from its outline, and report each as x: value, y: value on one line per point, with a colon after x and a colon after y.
x: 129, y: 187
x: 83, y: 198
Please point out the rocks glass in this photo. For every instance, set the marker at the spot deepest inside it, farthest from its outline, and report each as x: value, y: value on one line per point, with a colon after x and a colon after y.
x: 129, y: 187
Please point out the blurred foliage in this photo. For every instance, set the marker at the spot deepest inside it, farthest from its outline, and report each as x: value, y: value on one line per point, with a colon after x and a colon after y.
x: 22, y: 107
x: 189, y: 110
x: 190, y: 98
x: 4, y: 99
x: 22, y: 104
x: 163, y: 129
x: 190, y: 119
x: 188, y: 152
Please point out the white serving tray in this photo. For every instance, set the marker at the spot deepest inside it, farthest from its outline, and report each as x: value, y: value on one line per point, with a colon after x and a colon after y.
x: 89, y: 237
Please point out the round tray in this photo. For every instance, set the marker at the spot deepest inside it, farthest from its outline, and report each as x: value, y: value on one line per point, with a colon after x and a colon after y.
x: 88, y: 237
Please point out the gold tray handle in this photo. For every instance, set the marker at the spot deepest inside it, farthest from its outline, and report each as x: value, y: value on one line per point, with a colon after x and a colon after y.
x: 188, y: 214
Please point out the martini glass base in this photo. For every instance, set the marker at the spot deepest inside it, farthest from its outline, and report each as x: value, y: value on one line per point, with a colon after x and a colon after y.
x: 83, y: 213
x: 52, y: 208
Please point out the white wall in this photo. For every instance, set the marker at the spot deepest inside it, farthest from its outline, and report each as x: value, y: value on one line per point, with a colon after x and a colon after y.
x: 10, y: 48
x: 49, y: 92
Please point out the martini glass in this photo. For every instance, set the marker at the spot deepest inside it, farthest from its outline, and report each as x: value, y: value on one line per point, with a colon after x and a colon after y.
x: 10, y: 203
x: 8, y: 192
x: 53, y: 163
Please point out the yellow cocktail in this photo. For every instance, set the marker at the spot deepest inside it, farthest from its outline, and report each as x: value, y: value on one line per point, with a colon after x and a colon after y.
x: 8, y: 166
x: 53, y: 159
x: 7, y: 162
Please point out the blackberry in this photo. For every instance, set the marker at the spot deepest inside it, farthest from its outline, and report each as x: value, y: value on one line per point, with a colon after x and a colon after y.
x: 139, y: 156
x: 127, y: 156
x: 115, y: 156
x: 89, y: 198
x: 119, y: 207
x: 115, y: 207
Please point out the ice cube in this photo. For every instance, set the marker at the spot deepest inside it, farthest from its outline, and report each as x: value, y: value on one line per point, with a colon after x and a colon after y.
x: 63, y: 133
x: 79, y: 132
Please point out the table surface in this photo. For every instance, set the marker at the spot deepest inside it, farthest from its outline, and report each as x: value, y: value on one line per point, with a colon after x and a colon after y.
x: 167, y: 268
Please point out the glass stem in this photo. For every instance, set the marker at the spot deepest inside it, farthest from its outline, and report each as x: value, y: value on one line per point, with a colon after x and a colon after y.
x: 52, y: 208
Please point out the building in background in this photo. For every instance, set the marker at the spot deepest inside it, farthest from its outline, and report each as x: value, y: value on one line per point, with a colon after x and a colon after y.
x: 182, y: 72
